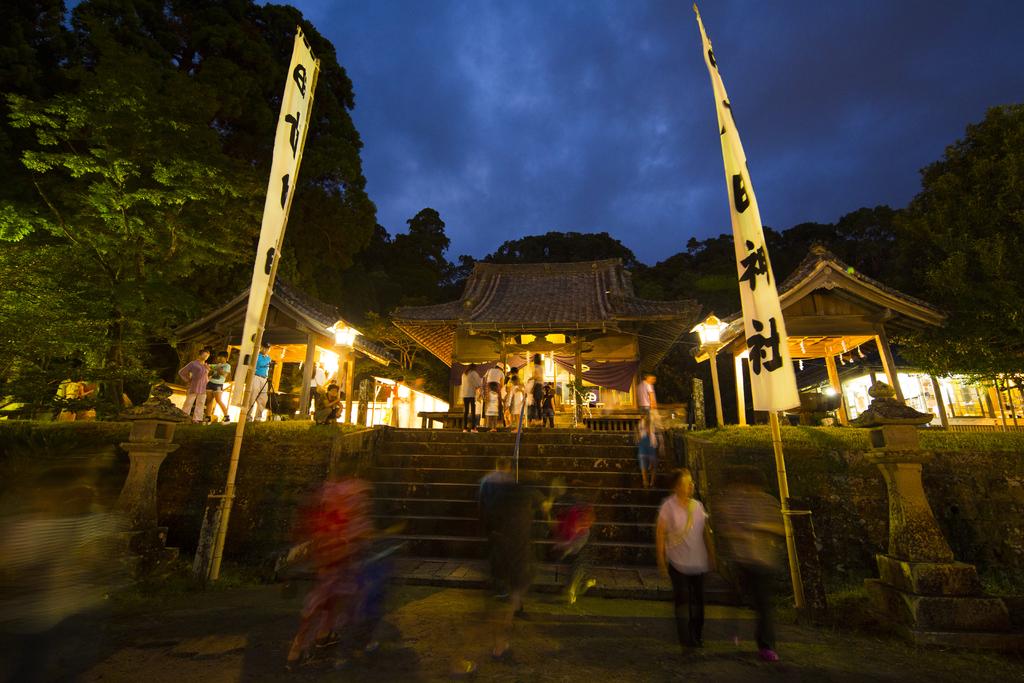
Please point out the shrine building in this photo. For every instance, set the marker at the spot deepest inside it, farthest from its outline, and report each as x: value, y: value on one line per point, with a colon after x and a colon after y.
x: 583, y: 318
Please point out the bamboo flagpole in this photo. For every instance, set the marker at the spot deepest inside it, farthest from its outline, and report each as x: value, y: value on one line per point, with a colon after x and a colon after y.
x: 772, y: 380
x: 289, y: 143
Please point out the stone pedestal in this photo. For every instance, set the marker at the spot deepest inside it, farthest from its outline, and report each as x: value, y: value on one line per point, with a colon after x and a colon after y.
x: 927, y: 595
x: 153, y: 425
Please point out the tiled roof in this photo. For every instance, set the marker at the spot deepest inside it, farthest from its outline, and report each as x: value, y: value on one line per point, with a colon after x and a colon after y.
x: 820, y: 254
x: 555, y: 296
x: 820, y: 257
x: 317, y: 313
x: 589, y: 293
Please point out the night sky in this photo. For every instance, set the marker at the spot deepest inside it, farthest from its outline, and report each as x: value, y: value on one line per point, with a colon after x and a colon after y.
x: 518, y: 117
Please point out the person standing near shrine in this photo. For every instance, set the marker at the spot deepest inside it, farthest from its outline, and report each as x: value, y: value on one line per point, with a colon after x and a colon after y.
x: 317, y: 386
x: 547, y: 407
x: 471, y: 383
x: 220, y: 370
x: 196, y: 376
x: 497, y: 374
x: 493, y: 401
x: 535, y: 387
x: 515, y: 400
x: 261, y: 382
x: 685, y: 554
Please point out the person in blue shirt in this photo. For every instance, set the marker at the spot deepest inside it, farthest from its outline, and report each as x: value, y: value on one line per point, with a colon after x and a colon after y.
x: 261, y: 382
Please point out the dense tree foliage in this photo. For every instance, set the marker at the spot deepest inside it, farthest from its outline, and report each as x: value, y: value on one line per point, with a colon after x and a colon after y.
x: 965, y: 231
x: 136, y: 146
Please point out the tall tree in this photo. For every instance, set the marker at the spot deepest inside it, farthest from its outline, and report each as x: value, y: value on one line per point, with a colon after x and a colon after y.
x: 133, y: 193
x: 966, y: 230
x: 239, y: 51
x: 563, y: 247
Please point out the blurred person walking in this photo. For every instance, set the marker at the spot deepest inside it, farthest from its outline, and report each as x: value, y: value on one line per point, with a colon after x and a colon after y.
x: 685, y: 554
x: 749, y: 523
x: 647, y: 453
x: 512, y: 508
x: 338, y: 529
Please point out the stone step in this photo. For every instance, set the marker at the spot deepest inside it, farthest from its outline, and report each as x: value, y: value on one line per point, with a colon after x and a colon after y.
x: 496, y: 450
x: 533, y: 462
x: 636, y: 583
x: 469, y: 527
x: 547, y: 436
x: 617, y: 553
x: 471, y: 508
x: 469, y: 492
x: 578, y: 478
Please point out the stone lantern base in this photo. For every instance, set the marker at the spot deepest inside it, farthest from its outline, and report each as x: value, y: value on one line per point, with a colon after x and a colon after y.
x: 941, y: 604
x: 921, y: 589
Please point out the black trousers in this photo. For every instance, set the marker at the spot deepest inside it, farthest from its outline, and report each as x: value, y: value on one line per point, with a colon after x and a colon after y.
x: 469, y: 413
x: 758, y: 585
x: 688, y: 594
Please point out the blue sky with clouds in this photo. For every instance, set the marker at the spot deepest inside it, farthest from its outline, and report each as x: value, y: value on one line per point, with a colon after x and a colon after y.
x: 518, y: 117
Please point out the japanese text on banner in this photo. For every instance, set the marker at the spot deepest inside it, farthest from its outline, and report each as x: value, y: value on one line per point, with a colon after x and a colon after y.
x: 288, y: 146
x: 772, y: 380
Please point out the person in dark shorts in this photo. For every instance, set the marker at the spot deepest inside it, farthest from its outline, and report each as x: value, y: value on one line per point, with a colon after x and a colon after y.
x: 547, y: 407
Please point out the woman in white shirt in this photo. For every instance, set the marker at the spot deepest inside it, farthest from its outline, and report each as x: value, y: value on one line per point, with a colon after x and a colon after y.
x: 685, y: 554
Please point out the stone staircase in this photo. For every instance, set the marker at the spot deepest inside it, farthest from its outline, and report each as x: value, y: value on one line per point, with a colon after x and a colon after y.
x: 427, y: 480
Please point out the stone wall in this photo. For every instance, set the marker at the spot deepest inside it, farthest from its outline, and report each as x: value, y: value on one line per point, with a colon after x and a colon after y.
x: 977, y: 497
x: 277, y: 471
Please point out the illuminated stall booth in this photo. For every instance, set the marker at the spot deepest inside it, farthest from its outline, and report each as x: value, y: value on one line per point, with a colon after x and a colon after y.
x: 303, y: 332
x: 834, y: 313
x: 582, y: 318
x: 960, y: 403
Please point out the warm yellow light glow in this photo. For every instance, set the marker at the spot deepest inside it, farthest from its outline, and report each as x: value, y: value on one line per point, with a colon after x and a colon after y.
x: 525, y: 339
x: 345, y: 336
x: 710, y: 331
x: 330, y: 361
x: 829, y: 391
x: 555, y: 338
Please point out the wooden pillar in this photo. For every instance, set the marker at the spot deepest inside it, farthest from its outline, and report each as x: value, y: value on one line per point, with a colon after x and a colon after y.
x: 1009, y: 400
x: 275, y: 383
x: 999, y: 400
x: 350, y: 371
x: 307, y: 376
x: 713, y: 359
x: 888, y: 364
x: 578, y: 380
x: 833, y: 379
x: 943, y: 418
x: 741, y: 397
x: 503, y: 354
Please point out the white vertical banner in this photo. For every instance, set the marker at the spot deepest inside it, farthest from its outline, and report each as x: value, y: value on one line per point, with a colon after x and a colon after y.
x: 772, y: 380
x: 289, y: 142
